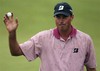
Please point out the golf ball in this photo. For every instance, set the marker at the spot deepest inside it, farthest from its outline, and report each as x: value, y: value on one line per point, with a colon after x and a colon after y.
x: 9, y: 14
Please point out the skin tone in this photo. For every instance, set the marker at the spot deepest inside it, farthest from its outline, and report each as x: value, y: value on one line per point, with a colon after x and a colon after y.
x: 11, y: 26
x: 63, y: 24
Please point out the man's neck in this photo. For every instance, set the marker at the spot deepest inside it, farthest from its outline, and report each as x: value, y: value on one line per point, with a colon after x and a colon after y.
x: 65, y: 34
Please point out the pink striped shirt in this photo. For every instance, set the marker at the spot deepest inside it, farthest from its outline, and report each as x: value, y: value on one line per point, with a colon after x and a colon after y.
x: 56, y: 54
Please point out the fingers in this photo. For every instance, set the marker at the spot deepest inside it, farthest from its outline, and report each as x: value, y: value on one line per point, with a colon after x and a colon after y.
x: 12, y: 15
x: 17, y: 20
x: 8, y: 16
x: 9, y: 19
x: 5, y: 19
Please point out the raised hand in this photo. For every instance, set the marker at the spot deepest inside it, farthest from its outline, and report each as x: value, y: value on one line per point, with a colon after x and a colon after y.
x: 11, y: 23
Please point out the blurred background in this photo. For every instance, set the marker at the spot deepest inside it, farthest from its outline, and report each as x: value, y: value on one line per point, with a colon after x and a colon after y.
x: 37, y: 15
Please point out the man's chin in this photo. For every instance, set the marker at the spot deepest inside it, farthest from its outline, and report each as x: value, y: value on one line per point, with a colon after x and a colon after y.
x: 63, y: 30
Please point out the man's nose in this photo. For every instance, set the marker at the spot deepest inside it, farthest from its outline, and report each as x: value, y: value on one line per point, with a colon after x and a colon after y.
x: 61, y: 19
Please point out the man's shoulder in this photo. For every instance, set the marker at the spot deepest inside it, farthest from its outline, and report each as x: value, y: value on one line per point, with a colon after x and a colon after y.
x: 83, y: 35
x: 44, y: 33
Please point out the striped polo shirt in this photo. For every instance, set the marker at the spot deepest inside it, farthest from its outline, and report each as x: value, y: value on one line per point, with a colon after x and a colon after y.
x: 56, y: 54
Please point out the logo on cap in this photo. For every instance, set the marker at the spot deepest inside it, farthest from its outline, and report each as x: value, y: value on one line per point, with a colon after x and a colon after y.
x: 61, y: 7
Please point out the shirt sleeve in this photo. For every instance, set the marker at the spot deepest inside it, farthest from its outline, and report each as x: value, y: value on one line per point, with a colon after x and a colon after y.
x: 31, y: 48
x: 90, y: 60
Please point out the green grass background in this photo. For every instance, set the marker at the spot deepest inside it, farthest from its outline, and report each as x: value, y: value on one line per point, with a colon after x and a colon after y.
x: 37, y: 15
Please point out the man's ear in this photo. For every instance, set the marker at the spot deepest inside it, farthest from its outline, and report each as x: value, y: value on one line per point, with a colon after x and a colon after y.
x: 72, y: 17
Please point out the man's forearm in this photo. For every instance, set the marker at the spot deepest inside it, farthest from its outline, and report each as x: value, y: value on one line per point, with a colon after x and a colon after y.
x: 91, y: 69
x: 13, y: 44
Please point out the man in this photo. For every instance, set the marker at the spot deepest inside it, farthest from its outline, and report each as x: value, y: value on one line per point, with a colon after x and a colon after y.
x: 63, y: 48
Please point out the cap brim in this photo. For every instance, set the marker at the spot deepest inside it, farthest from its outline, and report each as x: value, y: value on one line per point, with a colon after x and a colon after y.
x: 62, y: 13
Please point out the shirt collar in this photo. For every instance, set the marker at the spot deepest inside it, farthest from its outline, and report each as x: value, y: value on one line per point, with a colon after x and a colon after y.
x: 57, y: 34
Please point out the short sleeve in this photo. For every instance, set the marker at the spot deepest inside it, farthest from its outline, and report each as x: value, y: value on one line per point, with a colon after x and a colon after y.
x: 31, y: 48
x: 90, y: 60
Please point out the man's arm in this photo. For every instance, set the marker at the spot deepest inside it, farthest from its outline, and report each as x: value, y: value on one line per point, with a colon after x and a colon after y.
x: 11, y: 25
x: 13, y: 45
x: 90, y: 69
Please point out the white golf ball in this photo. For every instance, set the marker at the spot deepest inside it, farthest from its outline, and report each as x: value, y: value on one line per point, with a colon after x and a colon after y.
x: 9, y: 14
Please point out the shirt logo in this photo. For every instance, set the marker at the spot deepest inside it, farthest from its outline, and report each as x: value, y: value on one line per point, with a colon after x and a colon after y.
x: 61, y: 7
x: 75, y: 50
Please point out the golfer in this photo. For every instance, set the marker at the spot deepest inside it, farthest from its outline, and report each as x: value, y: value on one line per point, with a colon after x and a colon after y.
x: 63, y: 48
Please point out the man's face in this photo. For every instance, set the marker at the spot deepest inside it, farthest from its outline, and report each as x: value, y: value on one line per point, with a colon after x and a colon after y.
x: 63, y: 22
